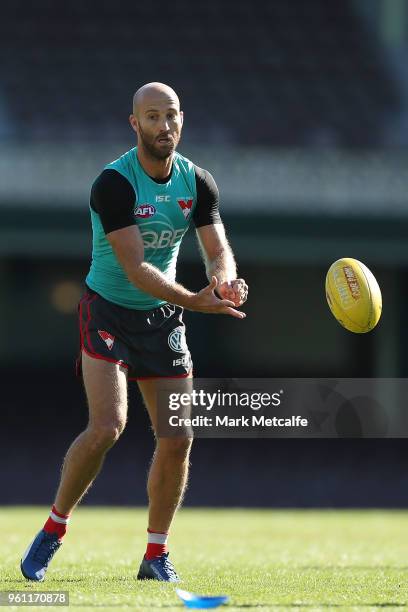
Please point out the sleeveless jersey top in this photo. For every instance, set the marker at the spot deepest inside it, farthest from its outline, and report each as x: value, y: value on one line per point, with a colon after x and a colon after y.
x: 163, y: 212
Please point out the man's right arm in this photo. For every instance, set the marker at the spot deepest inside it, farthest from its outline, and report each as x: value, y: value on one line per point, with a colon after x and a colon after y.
x: 112, y: 199
x: 127, y: 244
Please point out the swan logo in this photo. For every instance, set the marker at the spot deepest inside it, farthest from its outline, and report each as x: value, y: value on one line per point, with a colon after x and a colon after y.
x: 107, y: 338
x: 185, y: 205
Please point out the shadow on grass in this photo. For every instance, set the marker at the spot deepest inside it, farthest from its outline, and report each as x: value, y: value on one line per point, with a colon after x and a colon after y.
x: 374, y: 568
x: 49, y: 582
x: 322, y: 605
x: 249, y: 606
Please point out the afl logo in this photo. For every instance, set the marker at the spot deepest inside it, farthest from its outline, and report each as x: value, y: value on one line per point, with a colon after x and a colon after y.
x: 144, y: 211
x: 177, y: 340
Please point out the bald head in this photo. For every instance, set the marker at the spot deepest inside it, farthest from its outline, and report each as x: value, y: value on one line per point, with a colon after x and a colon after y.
x: 152, y: 93
x: 157, y: 120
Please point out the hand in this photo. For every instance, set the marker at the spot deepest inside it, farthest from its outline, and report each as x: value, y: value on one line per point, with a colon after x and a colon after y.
x: 235, y: 290
x: 206, y: 301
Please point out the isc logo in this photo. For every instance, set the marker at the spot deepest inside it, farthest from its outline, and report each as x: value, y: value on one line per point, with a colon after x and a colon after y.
x: 144, y: 211
x: 163, y: 198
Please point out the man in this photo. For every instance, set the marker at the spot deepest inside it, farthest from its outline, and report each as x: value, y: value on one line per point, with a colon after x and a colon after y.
x: 130, y: 317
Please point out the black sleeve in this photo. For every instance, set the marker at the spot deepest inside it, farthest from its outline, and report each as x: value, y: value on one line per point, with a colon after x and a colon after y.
x: 113, y: 198
x: 206, y: 211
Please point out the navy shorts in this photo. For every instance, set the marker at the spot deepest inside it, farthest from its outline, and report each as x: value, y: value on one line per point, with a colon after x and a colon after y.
x: 149, y: 343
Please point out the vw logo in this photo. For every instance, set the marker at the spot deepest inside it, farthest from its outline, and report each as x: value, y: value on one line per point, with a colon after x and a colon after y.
x: 177, y: 340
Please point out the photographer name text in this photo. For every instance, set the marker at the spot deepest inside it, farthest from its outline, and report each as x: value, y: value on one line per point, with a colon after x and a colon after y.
x: 242, y: 421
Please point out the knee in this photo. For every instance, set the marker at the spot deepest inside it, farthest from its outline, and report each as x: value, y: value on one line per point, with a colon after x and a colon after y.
x: 177, y: 449
x: 104, y: 435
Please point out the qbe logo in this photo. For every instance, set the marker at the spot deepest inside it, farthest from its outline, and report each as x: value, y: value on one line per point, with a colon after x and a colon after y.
x: 177, y: 340
x: 160, y: 240
x: 144, y: 211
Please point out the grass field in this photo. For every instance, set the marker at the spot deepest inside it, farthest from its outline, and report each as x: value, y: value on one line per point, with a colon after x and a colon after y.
x: 264, y: 560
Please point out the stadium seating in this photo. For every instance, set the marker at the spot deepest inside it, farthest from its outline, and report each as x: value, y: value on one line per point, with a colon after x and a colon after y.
x: 265, y: 72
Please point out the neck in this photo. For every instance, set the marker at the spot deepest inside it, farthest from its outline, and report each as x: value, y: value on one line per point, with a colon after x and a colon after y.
x: 156, y: 168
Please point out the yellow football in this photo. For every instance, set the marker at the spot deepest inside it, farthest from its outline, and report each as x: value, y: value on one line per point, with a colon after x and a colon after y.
x: 353, y: 295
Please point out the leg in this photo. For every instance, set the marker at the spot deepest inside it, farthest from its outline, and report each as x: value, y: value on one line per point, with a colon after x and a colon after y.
x: 106, y: 390
x: 169, y: 469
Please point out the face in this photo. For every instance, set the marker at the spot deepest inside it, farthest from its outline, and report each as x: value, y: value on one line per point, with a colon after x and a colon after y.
x: 158, y: 122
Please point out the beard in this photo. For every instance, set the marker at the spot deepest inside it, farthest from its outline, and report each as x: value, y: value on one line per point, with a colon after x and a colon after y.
x: 156, y: 151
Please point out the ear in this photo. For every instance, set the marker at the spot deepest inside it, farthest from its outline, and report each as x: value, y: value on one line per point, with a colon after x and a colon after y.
x: 134, y: 123
x: 181, y: 117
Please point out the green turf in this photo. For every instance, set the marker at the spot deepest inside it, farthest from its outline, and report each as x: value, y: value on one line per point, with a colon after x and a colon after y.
x: 264, y: 560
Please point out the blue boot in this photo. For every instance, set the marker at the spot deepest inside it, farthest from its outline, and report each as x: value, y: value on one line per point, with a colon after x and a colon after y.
x: 159, y: 568
x: 36, y: 558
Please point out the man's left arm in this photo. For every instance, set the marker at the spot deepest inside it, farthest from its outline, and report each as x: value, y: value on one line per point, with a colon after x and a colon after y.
x: 219, y: 262
x: 217, y: 254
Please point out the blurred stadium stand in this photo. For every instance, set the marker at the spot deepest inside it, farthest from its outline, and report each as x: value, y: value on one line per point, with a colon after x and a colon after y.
x: 300, y: 110
x: 254, y: 73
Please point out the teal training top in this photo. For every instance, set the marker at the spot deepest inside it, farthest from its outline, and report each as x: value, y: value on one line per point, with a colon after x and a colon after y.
x: 162, y: 211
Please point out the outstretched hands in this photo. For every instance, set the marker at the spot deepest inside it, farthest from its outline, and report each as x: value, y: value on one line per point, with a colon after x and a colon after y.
x: 233, y: 293
x: 235, y: 290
